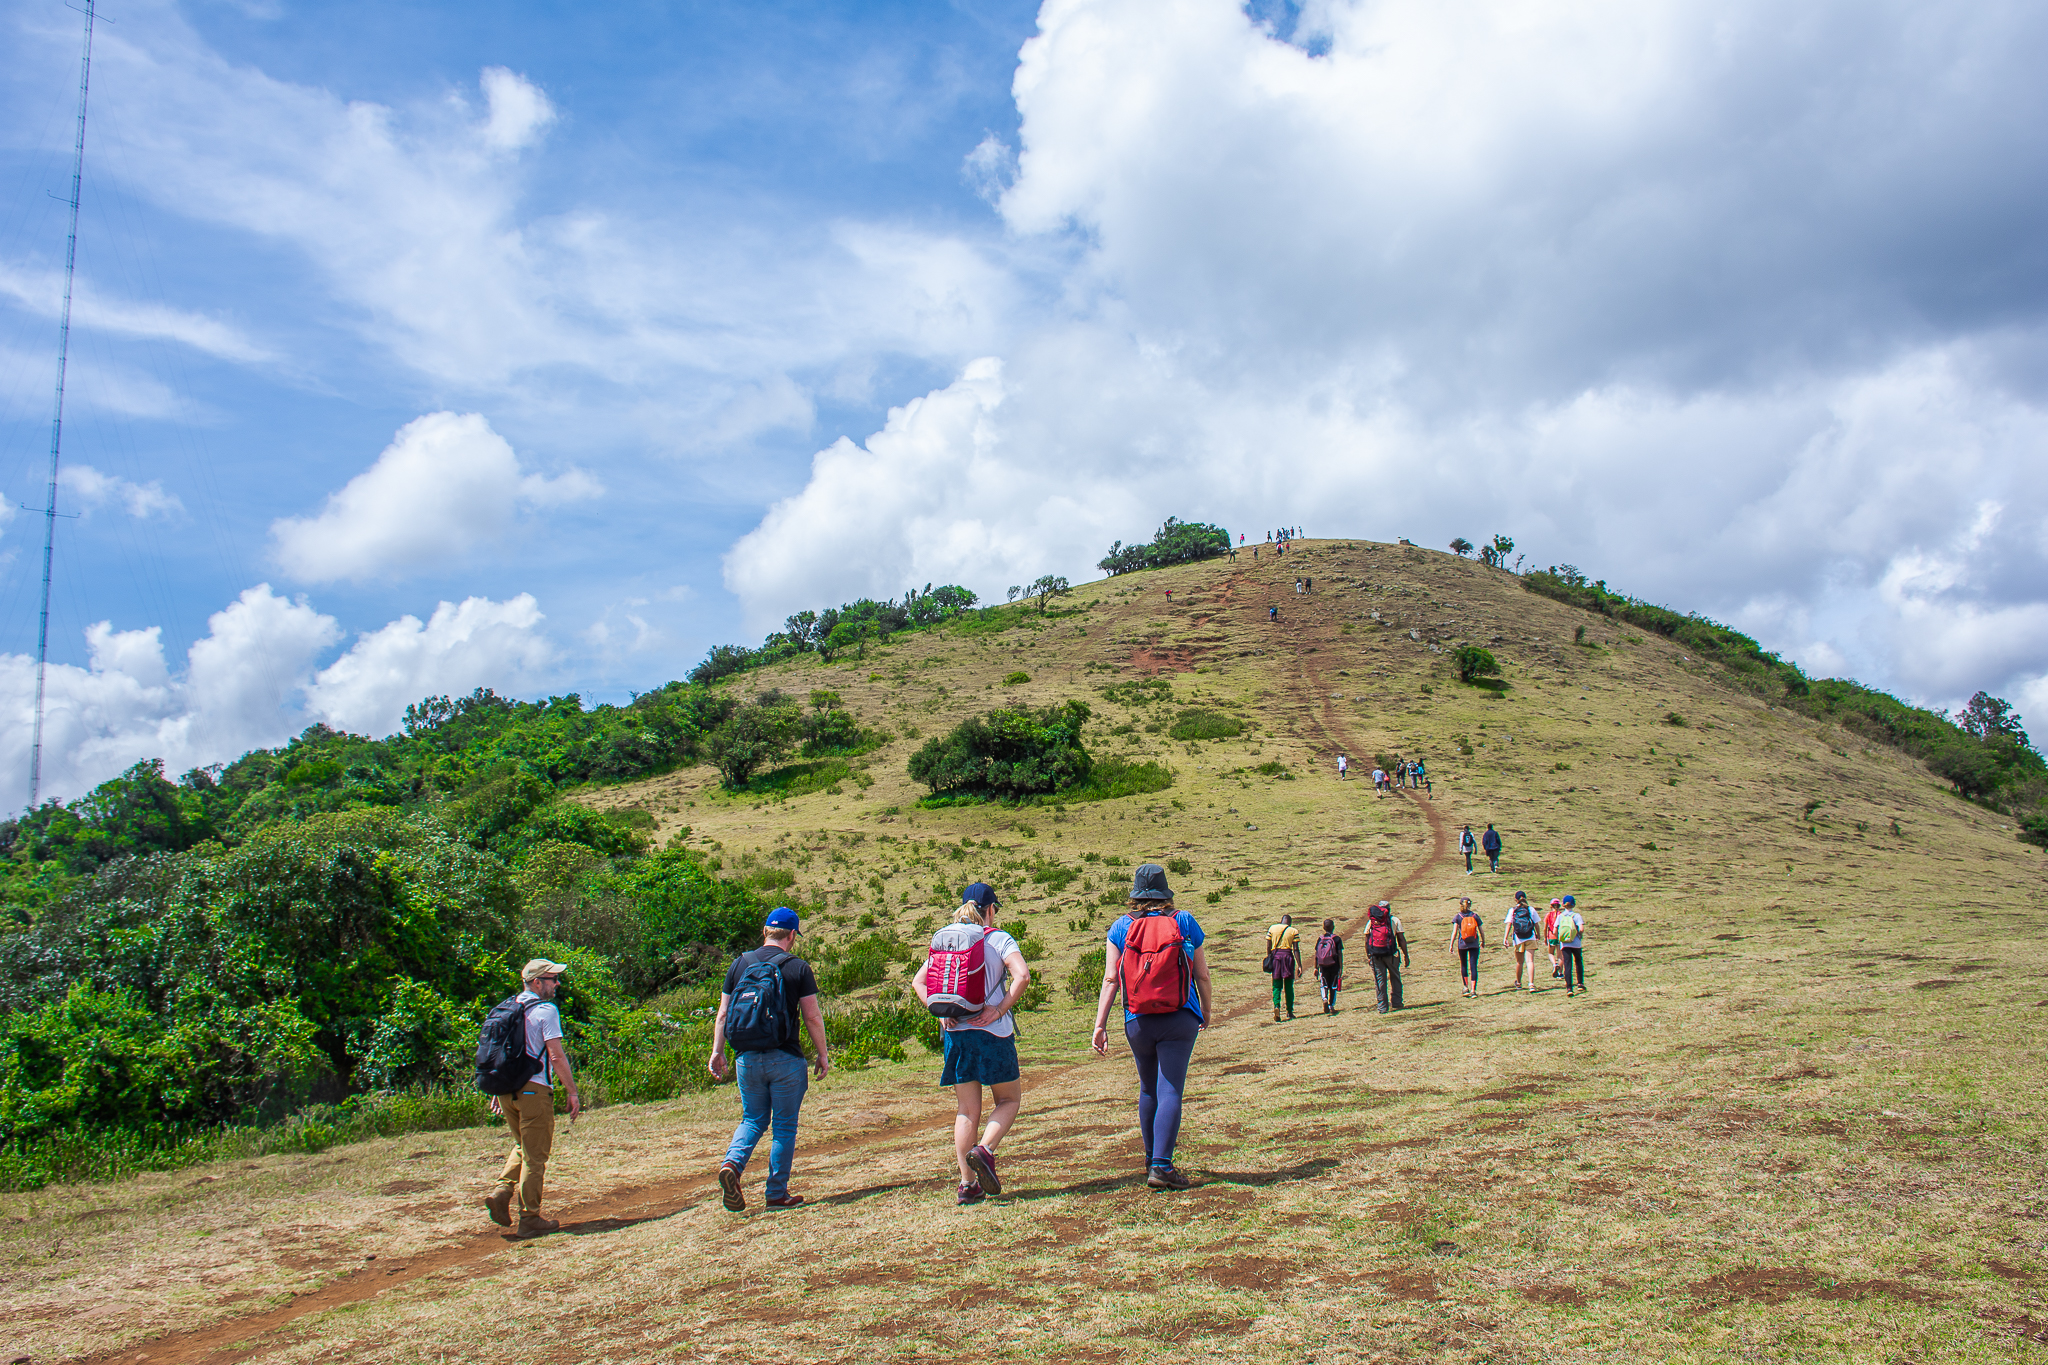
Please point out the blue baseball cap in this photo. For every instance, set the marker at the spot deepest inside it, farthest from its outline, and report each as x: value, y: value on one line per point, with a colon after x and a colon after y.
x: 781, y: 917
x: 1571, y: 900
x: 981, y: 894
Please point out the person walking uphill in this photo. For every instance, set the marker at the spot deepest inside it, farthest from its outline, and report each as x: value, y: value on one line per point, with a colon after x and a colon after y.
x: 1467, y: 845
x: 963, y: 983
x: 1490, y: 842
x: 1330, y: 965
x: 766, y: 991
x: 1154, y: 957
x: 1386, y: 948
x: 1519, y: 931
x: 1468, y: 936
x: 1571, y: 944
x: 1283, y: 962
x: 521, y: 1048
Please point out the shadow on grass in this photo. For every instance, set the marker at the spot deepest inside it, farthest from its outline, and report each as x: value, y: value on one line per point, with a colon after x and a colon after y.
x: 1497, y: 686
x: 869, y: 1192
x: 1307, y: 1170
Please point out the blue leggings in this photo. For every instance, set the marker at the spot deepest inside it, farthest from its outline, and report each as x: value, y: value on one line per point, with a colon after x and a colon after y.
x: 1161, y: 1045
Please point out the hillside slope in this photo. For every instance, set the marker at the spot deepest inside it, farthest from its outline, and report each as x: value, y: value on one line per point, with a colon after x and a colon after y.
x: 1794, y: 1118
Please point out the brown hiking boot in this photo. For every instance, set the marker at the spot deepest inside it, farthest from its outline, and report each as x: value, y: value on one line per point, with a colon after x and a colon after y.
x: 533, y: 1225
x: 729, y: 1188
x: 499, y: 1206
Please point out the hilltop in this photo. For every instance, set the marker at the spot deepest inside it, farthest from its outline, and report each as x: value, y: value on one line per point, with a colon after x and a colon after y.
x: 1783, y: 1123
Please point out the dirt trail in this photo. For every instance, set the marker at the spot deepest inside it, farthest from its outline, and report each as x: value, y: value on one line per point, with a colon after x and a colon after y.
x: 1306, y: 685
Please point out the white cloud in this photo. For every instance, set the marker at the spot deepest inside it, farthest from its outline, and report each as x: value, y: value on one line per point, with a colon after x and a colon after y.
x: 94, y: 490
x: 253, y: 680
x: 445, y: 487
x: 518, y: 110
x: 42, y: 291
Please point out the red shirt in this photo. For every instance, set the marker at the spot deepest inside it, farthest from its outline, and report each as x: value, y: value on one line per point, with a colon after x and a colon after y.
x: 1550, y: 924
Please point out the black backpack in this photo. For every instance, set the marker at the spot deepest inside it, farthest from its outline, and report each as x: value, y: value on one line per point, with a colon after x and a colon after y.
x: 1525, y: 922
x: 502, y: 1062
x: 758, y: 1018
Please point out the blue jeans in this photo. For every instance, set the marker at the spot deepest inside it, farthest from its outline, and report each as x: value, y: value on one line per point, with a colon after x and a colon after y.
x: 772, y: 1086
x: 1161, y: 1045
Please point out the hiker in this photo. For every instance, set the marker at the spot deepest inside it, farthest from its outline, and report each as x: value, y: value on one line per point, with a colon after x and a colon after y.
x: 766, y: 991
x: 1297, y: 587
x: 1169, y: 597
x: 1386, y: 947
x: 1519, y: 928
x: 1308, y: 585
x: 1283, y: 958
x: 1550, y: 936
x: 1343, y: 767
x: 1272, y: 613
x: 1154, y: 957
x: 1467, y: 845
x: 981, y: 1046
x: 1490, y: 842
x: 533, y: 1021
x: 1330, y: 965
x: 1468, y: 935
x: 1379, y: 780
x: 1571, y: 944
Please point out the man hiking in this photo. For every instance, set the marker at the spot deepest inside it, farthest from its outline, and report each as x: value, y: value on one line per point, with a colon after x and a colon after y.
x: 1571, y: 945
x: 1386, y: 948
x: 1330, y: 965
x: 529, y: 1110
x: 1519, y: 931
x: 1490, y: 842
x: 1283, y: 961
x: 980, y: 1048
x: 1468, y: 936
x: 766, y: 991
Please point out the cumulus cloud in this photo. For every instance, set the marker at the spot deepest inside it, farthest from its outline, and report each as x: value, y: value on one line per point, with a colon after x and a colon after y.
x: 253, y: 680
x: 1681, y: 293
x: 446, y: 486
x: 141, y: 500
x: 518, y: 110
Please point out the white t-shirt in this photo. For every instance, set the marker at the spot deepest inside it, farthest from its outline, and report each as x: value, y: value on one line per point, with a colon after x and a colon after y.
x: 543, y: 1021
x: 1508, y: 926
x: 998, y: 946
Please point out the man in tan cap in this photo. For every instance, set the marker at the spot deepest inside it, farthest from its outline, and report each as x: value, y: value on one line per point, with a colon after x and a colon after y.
x: 530, y: 1110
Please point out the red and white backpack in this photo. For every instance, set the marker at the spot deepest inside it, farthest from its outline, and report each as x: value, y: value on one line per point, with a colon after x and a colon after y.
x: 956, y: 971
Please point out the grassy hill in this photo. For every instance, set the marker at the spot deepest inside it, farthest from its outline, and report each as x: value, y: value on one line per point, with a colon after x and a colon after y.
x: 1797, y: 1115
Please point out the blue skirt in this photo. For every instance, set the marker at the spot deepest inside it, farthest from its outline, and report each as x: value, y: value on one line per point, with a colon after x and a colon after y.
x: 978, y: 1056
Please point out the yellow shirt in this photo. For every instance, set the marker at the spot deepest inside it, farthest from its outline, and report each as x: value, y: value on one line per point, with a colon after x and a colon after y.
x: 1282, y: 937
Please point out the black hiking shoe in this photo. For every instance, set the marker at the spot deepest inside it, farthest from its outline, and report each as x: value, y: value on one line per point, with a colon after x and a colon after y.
x: 983, y: 1162
x: 1167, y: 1178
x: 970, y: 1193
x: 729, y: 1188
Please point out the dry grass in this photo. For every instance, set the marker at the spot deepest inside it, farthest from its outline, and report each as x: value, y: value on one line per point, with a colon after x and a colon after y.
x: 1797, y: 1118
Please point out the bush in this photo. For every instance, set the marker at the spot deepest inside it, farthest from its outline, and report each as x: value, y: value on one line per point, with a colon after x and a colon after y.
x: 1010, y: 753
x: 752, y: 736
x: 1673, y: 718
x: 1175, y: 542
x: 1012, y: 679
x: 1084, y: 982
x: 1201, y: 723
x: 1474, y: 663
x: 1179, y: 866
x: 863, y: 962
x: 1109, y: 778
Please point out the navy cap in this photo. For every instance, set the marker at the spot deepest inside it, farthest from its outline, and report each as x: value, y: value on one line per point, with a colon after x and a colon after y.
x: 1148, y: 883
x: 781, y: 917
x: 981, y: 894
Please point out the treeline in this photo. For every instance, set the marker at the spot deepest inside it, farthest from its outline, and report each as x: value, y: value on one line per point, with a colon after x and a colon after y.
x: 827, y: 633
x: 1175, y: 542
x: 1982, y: 752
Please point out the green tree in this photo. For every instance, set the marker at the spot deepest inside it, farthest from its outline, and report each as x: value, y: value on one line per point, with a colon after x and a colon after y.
x: 1008, y: 753
x: 1461, y: 547
x: 754, y: 735
x: 1047, y: 587
x: 1474, y: 663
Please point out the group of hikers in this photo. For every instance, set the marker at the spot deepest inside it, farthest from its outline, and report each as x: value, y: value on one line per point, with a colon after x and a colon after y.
x: 1487, y: 843
x: 1397, y: 774
x: 974, y: 975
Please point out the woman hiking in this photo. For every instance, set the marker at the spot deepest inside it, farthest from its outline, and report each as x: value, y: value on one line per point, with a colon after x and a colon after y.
x: 1330, y: 965
x: 1154, y: 958
x: 1468, y: 936
x: 981, y: 1048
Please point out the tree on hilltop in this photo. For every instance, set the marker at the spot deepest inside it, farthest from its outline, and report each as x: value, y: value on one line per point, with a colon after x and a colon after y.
x: 1461, y: 547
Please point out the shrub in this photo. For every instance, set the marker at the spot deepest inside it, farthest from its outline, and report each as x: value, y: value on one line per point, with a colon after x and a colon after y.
x: 1109, y: 778
x: 1179, y: 866
x: 1009, y: 753
x: 1012, y: 679
x: 1474, y: 663
x: 1201, y: 723
x: 1084, y: 982
x: 1673, y: 718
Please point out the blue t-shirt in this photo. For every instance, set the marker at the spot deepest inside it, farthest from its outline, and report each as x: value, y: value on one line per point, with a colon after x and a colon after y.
x: 1191, y: 938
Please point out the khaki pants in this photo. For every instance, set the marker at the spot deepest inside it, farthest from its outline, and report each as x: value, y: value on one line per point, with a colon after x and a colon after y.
x: 530, y: 1116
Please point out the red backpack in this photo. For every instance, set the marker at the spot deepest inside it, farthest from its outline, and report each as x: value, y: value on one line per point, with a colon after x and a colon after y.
x: 1153, y: 969
x: 1379, y: 932
x: 955, y: 973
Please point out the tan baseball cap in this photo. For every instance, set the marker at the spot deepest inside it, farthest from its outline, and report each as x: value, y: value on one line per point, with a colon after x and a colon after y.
x: 540, y: 966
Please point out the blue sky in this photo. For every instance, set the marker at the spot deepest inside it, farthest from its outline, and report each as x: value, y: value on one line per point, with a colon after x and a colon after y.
x: 426, y: 347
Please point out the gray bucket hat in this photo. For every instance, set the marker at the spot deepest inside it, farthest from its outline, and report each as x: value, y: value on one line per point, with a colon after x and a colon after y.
x: 1149, y: 884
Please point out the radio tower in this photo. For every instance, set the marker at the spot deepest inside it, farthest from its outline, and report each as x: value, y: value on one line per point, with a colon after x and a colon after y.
x: 35, y: 762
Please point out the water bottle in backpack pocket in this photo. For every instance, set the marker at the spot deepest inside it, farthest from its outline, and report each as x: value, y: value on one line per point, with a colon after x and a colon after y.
x: 758, y: 1018
x: 956, y: 972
